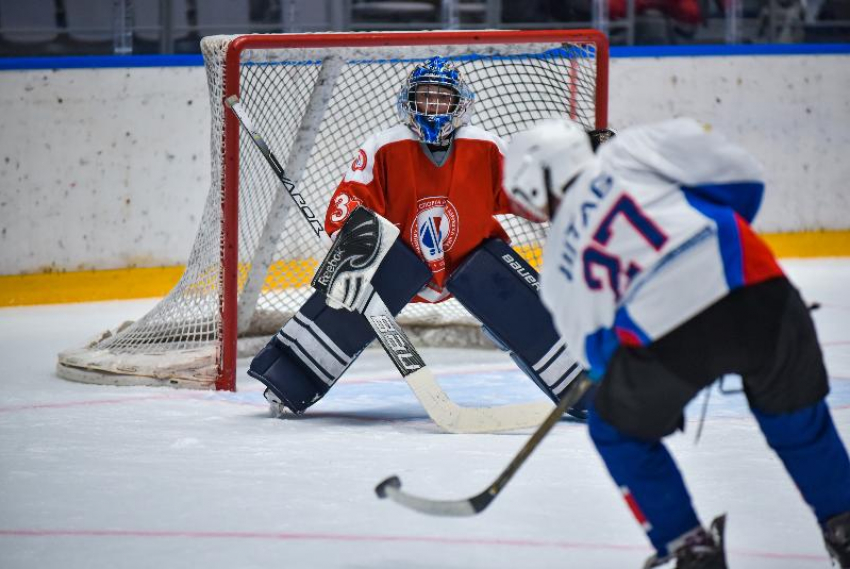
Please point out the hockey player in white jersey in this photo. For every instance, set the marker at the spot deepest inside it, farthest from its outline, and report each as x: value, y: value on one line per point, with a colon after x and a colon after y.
x: 654, y: 276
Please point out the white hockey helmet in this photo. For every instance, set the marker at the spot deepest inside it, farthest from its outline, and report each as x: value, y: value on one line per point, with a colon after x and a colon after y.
x: 541, y: 162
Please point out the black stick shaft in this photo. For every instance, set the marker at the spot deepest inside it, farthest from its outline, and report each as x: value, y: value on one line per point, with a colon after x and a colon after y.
x: 570, y: 399
x: 245, y: 120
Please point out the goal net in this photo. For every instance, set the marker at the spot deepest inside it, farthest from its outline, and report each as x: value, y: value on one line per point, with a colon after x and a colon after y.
x: 315, y: 98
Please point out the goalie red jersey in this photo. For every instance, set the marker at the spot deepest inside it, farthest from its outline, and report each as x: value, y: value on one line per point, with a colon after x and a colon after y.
x: 443, y: 205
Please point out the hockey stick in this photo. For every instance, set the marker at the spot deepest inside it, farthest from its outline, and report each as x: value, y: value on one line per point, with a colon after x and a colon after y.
x: 391, y: 487
x: 448, y: 415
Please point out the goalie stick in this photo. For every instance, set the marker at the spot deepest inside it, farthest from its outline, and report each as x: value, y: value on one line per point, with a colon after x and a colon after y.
x: 391, y: 487
x: 447, y: 414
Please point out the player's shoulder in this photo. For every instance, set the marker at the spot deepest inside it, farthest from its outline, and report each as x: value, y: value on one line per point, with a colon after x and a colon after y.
x: 380, y: 139
x: 666, y: 131
x: 662, y: 139
x: 361, y: 168
x: 469, y: 132
x: 680, y: 149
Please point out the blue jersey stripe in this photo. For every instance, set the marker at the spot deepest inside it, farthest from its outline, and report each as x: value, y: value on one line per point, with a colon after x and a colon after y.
x: 599, y: 347
x: 727, y: 236
x: 744, y: 197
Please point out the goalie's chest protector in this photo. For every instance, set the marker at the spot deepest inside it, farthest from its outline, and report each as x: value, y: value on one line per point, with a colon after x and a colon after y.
x: 443, y: 211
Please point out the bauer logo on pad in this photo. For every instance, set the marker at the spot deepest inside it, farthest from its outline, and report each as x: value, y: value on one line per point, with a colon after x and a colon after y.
x: 524, y: 273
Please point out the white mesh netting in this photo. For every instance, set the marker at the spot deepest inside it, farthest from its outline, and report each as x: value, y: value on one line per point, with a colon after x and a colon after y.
x: 314, y: 107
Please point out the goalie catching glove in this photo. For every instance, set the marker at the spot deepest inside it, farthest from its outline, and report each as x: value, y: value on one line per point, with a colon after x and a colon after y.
x: 345, y: 275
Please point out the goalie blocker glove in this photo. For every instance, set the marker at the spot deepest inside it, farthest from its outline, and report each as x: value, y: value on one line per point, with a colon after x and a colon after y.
x: 345, y: 275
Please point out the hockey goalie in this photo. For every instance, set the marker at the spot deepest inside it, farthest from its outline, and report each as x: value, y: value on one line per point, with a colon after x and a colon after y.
x: 427, y: 191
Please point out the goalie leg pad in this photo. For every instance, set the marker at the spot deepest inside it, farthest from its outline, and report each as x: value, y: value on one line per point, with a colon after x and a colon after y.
x: 502, y: 290
x: 313, y: 349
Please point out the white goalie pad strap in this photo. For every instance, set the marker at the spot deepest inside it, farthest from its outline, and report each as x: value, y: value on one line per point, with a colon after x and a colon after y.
x: 557, y: 368
x: 432, y: 293
x: 306, y: 358
x: 315, y: 349
x: 326, y: 340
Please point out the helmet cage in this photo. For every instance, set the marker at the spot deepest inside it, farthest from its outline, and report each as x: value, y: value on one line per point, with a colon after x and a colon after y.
x: 430, y: 126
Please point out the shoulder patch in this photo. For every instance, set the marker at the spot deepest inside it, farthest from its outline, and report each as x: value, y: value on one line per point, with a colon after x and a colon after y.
x: 360, y: 161
x: 360, y: 168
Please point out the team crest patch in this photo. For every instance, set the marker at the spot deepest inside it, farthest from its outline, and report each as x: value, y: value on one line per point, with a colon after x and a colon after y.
x: 359, y: 162
x: 435, y: 231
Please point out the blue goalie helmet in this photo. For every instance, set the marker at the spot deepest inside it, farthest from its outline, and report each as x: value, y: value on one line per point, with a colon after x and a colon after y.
x: 434, y: 101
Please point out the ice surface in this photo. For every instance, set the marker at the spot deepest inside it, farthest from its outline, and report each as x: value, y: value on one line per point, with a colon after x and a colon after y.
x: 94, y: 476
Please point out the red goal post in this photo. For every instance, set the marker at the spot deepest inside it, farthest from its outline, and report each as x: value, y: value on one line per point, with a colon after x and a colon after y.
x: 315, y: 98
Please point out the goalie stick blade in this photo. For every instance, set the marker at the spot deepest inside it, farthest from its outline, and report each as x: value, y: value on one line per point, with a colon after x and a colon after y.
x: 391, y: 488
x: 453, y: 418
x: 445, y: 413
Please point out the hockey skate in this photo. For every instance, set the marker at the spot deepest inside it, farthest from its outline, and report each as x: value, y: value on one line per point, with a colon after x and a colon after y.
x: 836, y: 534
x: 277, y: 408
x: 700, y: 549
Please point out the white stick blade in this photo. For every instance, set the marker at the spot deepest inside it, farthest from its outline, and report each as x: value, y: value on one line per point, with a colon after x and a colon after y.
x: 391, y: 488
x: 453, y: 418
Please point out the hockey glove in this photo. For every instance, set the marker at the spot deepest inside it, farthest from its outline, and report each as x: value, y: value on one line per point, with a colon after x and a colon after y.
x: 346, y: 273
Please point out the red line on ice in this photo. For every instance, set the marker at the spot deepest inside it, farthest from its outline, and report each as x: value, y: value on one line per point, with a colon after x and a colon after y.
x: 66, y: 404
x: 280, y: 536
